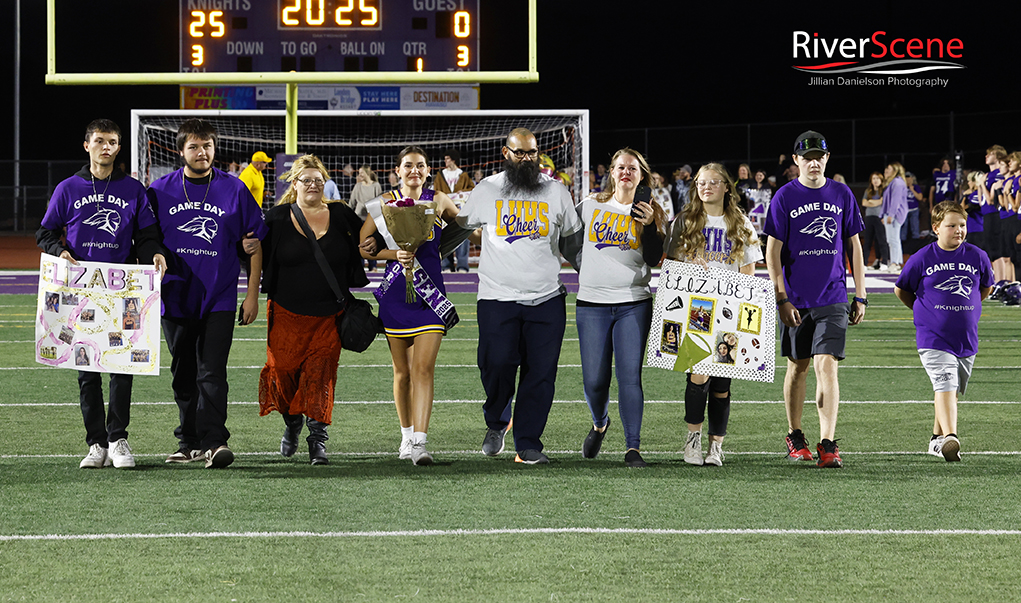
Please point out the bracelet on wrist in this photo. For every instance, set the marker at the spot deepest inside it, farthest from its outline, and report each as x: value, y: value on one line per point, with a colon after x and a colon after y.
x: 781, y: 302
x: 862, y: 301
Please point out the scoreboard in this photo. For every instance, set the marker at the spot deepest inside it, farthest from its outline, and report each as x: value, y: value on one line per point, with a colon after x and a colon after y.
x: 228, y: 36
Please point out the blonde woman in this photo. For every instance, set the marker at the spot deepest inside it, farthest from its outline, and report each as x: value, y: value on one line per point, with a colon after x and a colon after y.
x: 366, y: 189
x: 302, y: 346
x: 894, y: 211
x: 623, y: 240
x: 711, y: 230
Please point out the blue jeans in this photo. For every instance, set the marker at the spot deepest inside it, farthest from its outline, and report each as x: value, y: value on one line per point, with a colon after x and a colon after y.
x: 605, y: 334
x: 909, y: 230
x: 457, y: 260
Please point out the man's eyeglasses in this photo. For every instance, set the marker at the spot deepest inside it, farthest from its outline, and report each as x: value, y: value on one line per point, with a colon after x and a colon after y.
x: 708, y: 183
x: 521, y: 153
x: 310, y: 181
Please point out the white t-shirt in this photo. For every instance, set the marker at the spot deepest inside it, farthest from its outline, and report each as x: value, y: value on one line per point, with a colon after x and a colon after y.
x: 520, y: 259
x: 451, y: 177
x: 613, y: 270
x: 718, y: 250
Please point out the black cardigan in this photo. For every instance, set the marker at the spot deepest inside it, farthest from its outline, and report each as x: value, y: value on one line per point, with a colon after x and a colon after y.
x: 342, y: 218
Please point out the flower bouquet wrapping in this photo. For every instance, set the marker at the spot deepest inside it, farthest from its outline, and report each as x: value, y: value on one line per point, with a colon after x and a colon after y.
x: 410, y: 223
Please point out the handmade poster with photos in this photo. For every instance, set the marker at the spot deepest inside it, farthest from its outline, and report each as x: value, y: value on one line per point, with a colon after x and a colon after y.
x: 713, y: 322
x: 98, y: 317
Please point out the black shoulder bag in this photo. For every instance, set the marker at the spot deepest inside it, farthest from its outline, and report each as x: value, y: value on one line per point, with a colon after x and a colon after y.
x: 358, y: 325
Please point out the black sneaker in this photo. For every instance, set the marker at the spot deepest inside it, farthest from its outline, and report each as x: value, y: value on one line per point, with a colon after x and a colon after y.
x: 829, y: 454
x: 797, y: 447
x: 632, y: 458
x: 531, y: 457
x: 492, y: 445
x: 219, y: 458
x: 593, y: 442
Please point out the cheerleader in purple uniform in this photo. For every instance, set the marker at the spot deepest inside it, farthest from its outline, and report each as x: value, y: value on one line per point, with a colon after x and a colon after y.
x: 413, y: 330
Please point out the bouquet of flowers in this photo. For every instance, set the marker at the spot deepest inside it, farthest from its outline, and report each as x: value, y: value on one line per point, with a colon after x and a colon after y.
x: 410, y: 224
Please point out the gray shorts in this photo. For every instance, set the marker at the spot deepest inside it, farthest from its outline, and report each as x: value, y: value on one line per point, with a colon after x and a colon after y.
x: 823, y: 330
x: 947, y: 372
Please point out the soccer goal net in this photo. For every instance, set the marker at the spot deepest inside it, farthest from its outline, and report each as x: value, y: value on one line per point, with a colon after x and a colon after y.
x: 350, y: 139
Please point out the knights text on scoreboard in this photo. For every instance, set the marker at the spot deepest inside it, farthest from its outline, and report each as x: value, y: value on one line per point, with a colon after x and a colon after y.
x: 228, y: 36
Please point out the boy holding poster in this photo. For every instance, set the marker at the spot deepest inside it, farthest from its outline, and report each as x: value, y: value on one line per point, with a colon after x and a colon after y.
x: 103, y: 216
x: 811, y: 221
x: 711, y: 230
x: 944, y: 284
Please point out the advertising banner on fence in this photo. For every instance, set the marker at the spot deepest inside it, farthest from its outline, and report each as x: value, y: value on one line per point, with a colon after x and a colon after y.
x: 98, y: 317
x: 714, y: 322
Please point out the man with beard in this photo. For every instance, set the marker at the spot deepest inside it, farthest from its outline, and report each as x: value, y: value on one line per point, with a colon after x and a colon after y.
x: 528, y: 219
x: 204, y: 216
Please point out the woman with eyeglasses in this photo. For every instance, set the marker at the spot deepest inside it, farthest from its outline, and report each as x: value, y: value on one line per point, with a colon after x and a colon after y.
x: 711, y: 230
x: 623, y: 240
x: 413, y: 330
x: 303, y: 346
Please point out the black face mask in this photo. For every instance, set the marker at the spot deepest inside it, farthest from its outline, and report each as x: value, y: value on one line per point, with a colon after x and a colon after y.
x: 522, y: 176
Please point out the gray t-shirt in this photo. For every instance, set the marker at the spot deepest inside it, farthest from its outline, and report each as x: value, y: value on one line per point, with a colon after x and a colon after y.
x: 520, y: 258
x: 613, y: 270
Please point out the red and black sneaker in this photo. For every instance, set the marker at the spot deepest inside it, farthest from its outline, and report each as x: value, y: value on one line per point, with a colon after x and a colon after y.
x: 829, y: 455
x: 797, y: 447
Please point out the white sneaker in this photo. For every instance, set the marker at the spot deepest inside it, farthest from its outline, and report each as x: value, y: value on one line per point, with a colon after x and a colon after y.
x: 693, y: 448
x: 715, y: 456
x: 419, y: 455
x: 405, y: 450
x: 935, y: 446
x: 884, y: 267
x: 120, y: 454
x: 95, y: 459
x: 951, y: 449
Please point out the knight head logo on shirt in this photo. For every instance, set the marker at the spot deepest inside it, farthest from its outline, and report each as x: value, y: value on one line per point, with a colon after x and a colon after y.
x: 202, y: 227
x: 957, y: 285
x: 106, y: 220
x: 823, y: 227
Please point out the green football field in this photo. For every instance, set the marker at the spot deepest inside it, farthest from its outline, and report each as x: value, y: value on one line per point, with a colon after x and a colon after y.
x: 893, y: 525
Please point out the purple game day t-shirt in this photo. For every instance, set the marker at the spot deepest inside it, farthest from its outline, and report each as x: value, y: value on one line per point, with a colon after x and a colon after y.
x: 812, y: 225
x: 100, y: 219
x: 201, y: 230
x: 947, y: 286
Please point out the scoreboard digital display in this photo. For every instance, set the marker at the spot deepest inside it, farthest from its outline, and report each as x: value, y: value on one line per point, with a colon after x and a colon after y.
x: 231, y: 36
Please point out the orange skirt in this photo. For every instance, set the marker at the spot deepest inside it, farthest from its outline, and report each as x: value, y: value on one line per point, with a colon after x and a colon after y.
x: 302, y: 353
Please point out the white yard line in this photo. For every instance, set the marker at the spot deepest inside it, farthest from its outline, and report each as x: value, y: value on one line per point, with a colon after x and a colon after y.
x: 512, y: 532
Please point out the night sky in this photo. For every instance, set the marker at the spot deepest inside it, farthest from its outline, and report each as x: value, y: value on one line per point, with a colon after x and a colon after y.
x: 678, y: 80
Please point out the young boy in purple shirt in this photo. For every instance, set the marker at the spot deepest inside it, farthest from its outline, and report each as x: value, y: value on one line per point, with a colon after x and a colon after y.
x: 944, y: 284
x: 204, y: 215
x: 107, y: 219
x: 811, y: 219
